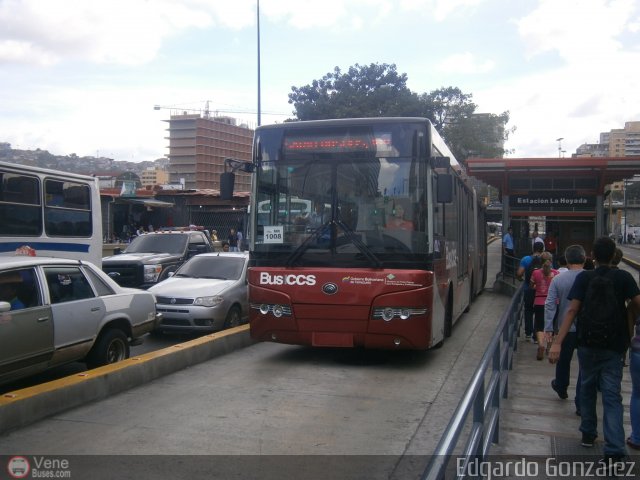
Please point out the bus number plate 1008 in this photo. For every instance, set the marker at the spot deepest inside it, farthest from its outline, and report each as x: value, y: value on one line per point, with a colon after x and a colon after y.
x: 273, y: 234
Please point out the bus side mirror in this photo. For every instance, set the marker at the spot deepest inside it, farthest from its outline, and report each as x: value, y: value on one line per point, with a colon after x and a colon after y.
x: 227, y: 181
x: 445, y: 188
x: 441, y: 162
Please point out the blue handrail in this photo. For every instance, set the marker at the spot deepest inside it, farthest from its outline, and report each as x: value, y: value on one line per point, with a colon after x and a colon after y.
x: 482, y: 397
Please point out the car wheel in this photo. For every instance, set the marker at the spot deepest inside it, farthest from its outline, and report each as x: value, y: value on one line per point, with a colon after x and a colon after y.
x: 233, y: 318
x: 112, y: 346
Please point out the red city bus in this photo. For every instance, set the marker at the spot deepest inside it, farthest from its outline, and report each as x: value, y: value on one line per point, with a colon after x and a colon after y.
x: 363, y: 234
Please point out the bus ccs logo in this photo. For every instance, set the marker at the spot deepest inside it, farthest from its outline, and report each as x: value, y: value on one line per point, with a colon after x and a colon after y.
x: 302, y: 280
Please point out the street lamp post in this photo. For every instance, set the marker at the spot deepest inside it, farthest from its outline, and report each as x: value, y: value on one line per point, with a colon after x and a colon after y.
x: 258, y: 22
x: 559, y: 140
x: 624, y: 203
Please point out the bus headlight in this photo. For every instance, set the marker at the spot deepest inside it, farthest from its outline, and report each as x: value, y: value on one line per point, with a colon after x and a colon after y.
x: 151, y: 273
x: 387, y: 314
x: 403, y: 313
x: 275, y: 310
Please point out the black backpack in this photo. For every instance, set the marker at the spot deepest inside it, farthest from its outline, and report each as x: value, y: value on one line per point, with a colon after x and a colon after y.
x: 536, y: 263
x: 599, y: 316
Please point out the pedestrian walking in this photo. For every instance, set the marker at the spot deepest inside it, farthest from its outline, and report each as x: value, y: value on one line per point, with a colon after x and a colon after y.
x: 527, y: 265
x: 535, y: 238
x: 540, y: 281
x: 633, y: 441
x: 556, y: 306
x: 551, y: 243
x: 603, y: 337
x: 233, y: 240
x: 507, y: 251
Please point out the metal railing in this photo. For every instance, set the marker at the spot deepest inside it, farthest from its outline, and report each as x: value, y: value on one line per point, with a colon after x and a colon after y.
x: 508, y: 268
x: 487, y: 387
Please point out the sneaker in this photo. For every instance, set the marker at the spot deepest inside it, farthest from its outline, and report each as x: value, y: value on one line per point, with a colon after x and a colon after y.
x: 527, y: 338
x: 588, y: 440
x: 561, y: 393
x: 632, y: 444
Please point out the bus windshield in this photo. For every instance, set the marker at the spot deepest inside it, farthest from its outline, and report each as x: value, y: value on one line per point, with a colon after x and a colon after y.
x: 352, y: 196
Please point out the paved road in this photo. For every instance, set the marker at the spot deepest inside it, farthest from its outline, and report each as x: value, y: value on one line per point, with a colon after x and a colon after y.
x: 270, y: 399
x: 151, y: 343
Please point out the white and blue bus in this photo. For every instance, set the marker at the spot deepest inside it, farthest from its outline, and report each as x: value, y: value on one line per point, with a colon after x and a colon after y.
x: 49, y: 213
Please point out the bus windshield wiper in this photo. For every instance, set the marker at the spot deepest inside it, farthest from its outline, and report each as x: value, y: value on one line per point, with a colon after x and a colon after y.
x: 304, y: 246
x: 360, y: 245
x: 349, y: 233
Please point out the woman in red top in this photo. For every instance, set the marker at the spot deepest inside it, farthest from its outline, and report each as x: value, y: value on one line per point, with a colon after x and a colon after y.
x: 550, y: 244
x: 540, y: 281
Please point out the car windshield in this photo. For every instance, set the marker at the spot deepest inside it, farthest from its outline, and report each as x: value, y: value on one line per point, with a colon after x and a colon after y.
x: 158, y: 243
x: 217, y: 267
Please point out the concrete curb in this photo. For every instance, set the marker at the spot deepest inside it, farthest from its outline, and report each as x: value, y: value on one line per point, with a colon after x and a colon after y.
x: 22, y: 407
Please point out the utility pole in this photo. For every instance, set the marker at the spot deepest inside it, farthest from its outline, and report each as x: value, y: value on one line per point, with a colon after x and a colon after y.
x: 559, y: 140
x: 258, y: 21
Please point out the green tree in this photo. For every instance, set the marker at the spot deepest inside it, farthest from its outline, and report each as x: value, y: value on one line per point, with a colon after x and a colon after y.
x: 477, y: 135
x: 446, y: 105
x: 378, y: 90
x: 363, y: 91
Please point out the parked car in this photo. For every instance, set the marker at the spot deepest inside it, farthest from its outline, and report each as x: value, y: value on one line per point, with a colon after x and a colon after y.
x: 207, y: 293
x: 55, y: 311
x: 150, y: 257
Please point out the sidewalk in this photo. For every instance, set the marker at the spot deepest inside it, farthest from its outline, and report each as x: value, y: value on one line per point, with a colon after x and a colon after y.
x: 535, y: 421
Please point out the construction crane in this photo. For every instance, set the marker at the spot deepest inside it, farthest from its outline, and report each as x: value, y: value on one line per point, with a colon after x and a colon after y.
x: 206, y: 112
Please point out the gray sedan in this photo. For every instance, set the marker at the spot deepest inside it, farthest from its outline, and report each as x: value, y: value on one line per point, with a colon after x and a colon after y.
x: 55, y: 311
x: 206, y: 294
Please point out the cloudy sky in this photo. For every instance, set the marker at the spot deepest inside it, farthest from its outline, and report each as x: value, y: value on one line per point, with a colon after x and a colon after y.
x: 83, y: 76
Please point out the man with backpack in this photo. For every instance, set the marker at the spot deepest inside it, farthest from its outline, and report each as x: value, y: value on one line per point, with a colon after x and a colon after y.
x: 556, y: 305
x: 527, y: 265
x: 598, y: 305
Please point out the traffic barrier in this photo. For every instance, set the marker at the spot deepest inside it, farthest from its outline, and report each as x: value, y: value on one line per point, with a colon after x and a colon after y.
x: 22, y: 407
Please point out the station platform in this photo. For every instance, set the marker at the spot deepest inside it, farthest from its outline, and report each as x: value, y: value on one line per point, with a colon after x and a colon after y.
x: 536, y: 422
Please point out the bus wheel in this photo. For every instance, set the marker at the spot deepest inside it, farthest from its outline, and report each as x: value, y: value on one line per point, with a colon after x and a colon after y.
x: 448, y: 316
x: 112, y: 346
x: 471, y: 296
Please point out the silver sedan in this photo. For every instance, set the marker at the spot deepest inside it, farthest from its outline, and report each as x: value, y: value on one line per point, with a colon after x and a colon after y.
x: 206, y: 294
x: 55, y: 311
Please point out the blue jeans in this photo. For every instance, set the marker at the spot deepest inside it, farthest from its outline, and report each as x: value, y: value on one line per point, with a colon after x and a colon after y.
x: 563, y: 367
x: 634, y: 408
x: 602, y: 368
